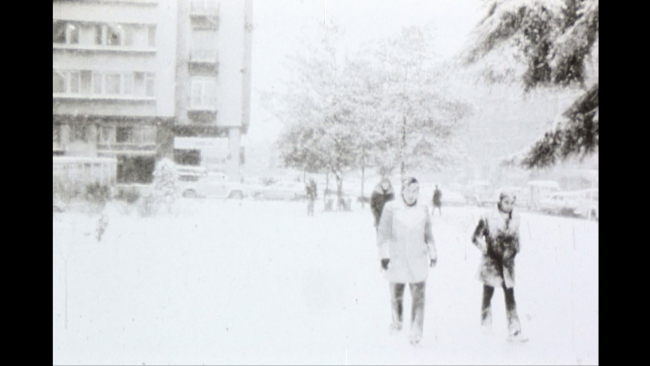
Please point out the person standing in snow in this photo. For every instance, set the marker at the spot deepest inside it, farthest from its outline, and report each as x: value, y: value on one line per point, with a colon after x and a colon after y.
x: 310, y: 192
x: 437, y: 200
x: 382, y: 193
x: 406, y: 251
x: 497, y: 236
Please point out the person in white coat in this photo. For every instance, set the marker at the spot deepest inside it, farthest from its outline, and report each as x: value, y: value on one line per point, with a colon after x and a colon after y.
x: 406, y: 251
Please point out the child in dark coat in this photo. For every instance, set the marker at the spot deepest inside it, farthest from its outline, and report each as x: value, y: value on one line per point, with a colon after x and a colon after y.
x: 497, y: 236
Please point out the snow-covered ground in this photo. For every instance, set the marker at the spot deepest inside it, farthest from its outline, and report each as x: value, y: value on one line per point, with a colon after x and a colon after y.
x: 245, y: 282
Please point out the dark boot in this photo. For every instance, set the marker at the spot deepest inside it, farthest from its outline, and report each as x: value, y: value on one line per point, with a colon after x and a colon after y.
x: 514, y: 326
x: 486, y: 320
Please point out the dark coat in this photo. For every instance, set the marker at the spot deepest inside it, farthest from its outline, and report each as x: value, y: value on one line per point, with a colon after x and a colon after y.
x: 437, y: 197
x: 502, y: 238
x: 378, y: 199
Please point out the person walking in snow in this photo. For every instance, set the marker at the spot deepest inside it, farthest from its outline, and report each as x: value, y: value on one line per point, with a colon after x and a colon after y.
x: 406, y: 251
x: 497, y: 236
x: 382, y: 193
x: 437, y: 200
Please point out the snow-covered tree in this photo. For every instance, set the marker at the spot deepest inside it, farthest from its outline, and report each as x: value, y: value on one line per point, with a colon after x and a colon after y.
x: 385, y: 107
x: 416, y: 117
x: 555, y: 40
x: 319, y: 133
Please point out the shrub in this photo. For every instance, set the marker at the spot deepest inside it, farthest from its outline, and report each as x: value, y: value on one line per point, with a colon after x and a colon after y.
x: 165, y: 189
x: 128, y: 194
x: 97, y: 193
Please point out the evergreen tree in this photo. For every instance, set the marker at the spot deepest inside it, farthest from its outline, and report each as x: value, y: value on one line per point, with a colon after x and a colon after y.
x: 554, y: 39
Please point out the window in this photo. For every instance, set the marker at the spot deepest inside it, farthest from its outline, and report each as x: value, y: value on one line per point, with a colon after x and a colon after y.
x: 149, y: 80
x: 66, y: 81
x: 124, y: 135
x: 58, y: 83
x: 129, y: 34
x: 99, y: 34
x: 77, y: 132
x: 97, y: 82
x: 73, y: 34
x: 144, y: 84
x: 58, y: 32
x: 146, y: 134
x: 203, y: 93
x: 112, y: 83
x: 74, y: 81
x: 135, y: 135
x: 65, y: 32
x: 114, y: 35
x: 107, y: 135
x: 109, y: 34
x: 151, y: 30
x: 127, y: 84
x: 86, y: 82
x: 56, y: 134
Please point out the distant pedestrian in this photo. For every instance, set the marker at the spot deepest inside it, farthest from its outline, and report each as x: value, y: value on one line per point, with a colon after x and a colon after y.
x: 406, y: 251
x: 310, y: 192
x: 382, y: 193
x: 497, y: 235
x: 437, y: 199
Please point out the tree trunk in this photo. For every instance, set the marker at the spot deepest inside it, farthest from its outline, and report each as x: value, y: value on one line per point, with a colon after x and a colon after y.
x: 339, y: 184
x: 327, y: 185
x: 363, y: 168
x: 403, y: 157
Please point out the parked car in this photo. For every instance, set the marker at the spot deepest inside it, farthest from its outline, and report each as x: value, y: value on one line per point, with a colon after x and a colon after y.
x: 190, y: 173
x: 284, y: 190
x: 452, y: 198
x: 540, y: 189
x: 522, y: 201
x: 561, y: 203
x: 588, y: 204
x: 213, y: 187
x: 478, y: 192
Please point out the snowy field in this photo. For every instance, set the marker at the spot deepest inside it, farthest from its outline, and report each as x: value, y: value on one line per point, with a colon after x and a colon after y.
x: 246, y: 282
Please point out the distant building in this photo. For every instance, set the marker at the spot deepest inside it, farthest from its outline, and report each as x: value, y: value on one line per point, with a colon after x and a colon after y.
x: 213, y: 83
x: 131, y: 75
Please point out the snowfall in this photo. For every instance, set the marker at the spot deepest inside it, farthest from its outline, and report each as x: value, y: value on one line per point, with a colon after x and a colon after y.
x: 249, y: 282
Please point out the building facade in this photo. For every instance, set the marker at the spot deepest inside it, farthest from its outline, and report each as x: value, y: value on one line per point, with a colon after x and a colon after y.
x: 213, y: 73
x: 130, y: 76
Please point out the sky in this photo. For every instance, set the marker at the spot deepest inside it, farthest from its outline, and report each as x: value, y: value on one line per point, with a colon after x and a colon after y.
x: 279, y: 25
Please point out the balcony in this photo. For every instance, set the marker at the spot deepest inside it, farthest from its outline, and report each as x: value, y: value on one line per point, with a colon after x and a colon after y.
x: 203, y: 55
x: 130, y: 148
x: 204, y: 8
x: 77, y: 48
x: 202, y: 114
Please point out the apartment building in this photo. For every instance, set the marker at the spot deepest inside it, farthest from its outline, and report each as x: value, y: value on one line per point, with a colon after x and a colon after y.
x: 113, y: 82
x: 132, y: 76
x: 213, y: 74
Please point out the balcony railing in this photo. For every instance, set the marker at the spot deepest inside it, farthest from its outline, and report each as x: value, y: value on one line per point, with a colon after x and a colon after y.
x: 209, y: 105
x: 203, y: 55
x: 204, y: 7
x: 140, y: 147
